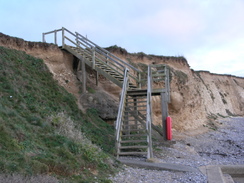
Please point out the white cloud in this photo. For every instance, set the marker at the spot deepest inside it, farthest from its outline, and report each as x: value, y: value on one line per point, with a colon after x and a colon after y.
x: 226, y: 59
x: 210, y: 34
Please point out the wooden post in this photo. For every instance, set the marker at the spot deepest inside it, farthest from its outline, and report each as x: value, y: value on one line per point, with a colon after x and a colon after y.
x: 55, y: 37
x: 107, y: 58
x: 136, y: 111
x: 79, y: 66
x: 77, y: 40
x: 97, y: 76
x: 83, y: 76
x: 139, y: 80
x: 93, y: 57
x: 63, y: 37
x: 164, y: 109
x: 43, y: 38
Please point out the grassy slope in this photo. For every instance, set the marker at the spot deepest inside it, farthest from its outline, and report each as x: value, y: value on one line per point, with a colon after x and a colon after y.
x: 33, y: 111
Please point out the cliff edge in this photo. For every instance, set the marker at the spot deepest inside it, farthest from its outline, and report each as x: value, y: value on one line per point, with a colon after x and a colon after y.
x: 197, y: 97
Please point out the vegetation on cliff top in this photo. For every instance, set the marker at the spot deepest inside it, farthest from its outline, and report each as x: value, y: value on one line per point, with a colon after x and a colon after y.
x: 43, y: 131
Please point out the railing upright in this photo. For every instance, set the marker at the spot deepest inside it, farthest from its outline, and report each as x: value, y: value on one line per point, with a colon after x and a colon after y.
x: 63, y: 37
x: 149, y: 113
x: 55, y: 37
x: 93, y: 57
x: 43, y: 38
x: 121, y: 107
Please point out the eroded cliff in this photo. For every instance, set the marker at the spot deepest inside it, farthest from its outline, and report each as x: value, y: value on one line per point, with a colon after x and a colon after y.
x: 196, y: 96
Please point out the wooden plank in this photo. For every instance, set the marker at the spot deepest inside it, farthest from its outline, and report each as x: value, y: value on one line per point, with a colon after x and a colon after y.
x: 133, y: 147
x: 83, y: 76
x: 97, y: 76
x: 135, y: 141
x: 164, y: 109
x: 132, y: 153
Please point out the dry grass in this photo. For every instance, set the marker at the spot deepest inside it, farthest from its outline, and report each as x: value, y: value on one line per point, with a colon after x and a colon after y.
x: 65, y: 126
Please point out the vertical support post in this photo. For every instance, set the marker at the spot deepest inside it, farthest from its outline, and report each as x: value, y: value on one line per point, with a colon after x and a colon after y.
x: 164, y: 109
x: 55, y: 37
x: 43, y: 38
x: 79, y: 66
x: 149, y: 113
x: 63, y: 37
x: 126, y: 121
x: 97, y: 76
x: 83, y: 76
x: 167, y: 84
x: 139, y: 80
x: 93, y: 57
x: 106, y: 58
x: 76, y: 39
x: 136, y: 111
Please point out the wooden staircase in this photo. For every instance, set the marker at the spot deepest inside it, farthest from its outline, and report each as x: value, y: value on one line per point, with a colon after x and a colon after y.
x: 134, y: 121
x: 134, y: 134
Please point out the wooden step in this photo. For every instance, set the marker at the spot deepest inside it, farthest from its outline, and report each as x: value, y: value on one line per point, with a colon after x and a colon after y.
x: 132, y: 153
x: 132, y: 86
x: 137, y: 102
x: 132, y: 141
x: 111, y: 71
x: 117, y: 76
x: 133, y: 147
x: 133, y: 111
x: 133, y: 118
x: 103, y: 67
x: 133, y: 106
x: 135, y: 97
x: 140, y: 92
x: 135, y: 135
x: 134, y: 125
x: 134, y: 130
x: 158, y: 79
x: 125, y: 118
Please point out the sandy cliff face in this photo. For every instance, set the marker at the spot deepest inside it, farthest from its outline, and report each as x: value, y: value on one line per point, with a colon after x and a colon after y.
x: 194, y: 95
x: 59, y: 62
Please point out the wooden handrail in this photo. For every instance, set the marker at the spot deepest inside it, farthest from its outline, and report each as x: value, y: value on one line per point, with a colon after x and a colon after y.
x: 121, y: 104
x: 149, y: 112
x: 80, y: 40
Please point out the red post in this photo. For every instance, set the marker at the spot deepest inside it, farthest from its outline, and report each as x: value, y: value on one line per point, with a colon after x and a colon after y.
x: 169, y: 128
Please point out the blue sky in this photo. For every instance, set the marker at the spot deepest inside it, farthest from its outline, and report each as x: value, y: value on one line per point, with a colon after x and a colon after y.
x: 208, y: 33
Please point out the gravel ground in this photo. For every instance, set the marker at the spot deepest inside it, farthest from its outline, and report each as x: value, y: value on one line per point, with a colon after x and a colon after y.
x: 225, y: 146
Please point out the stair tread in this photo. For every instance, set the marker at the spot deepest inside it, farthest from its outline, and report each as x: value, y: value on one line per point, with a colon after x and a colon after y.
x: 136, y: 97
x: 134, y: 130
x: 134, y: 135
x: 136, y: 102
x: 131, y: 106
x: 133, y: 147
x: 136, y: 141
x: 132, y: 153
x: 132, y: 110
x: 138, y: 119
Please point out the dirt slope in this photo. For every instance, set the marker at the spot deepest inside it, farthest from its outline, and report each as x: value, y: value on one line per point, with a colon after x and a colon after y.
x: 195, y: 96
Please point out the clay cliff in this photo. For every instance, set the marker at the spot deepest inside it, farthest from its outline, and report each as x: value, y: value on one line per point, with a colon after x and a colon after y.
x: 196, y: 96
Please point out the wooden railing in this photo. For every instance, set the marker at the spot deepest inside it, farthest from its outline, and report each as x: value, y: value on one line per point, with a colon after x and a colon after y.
x: 97, y: 53
x: 149, y: 113
x: 121, y: 108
